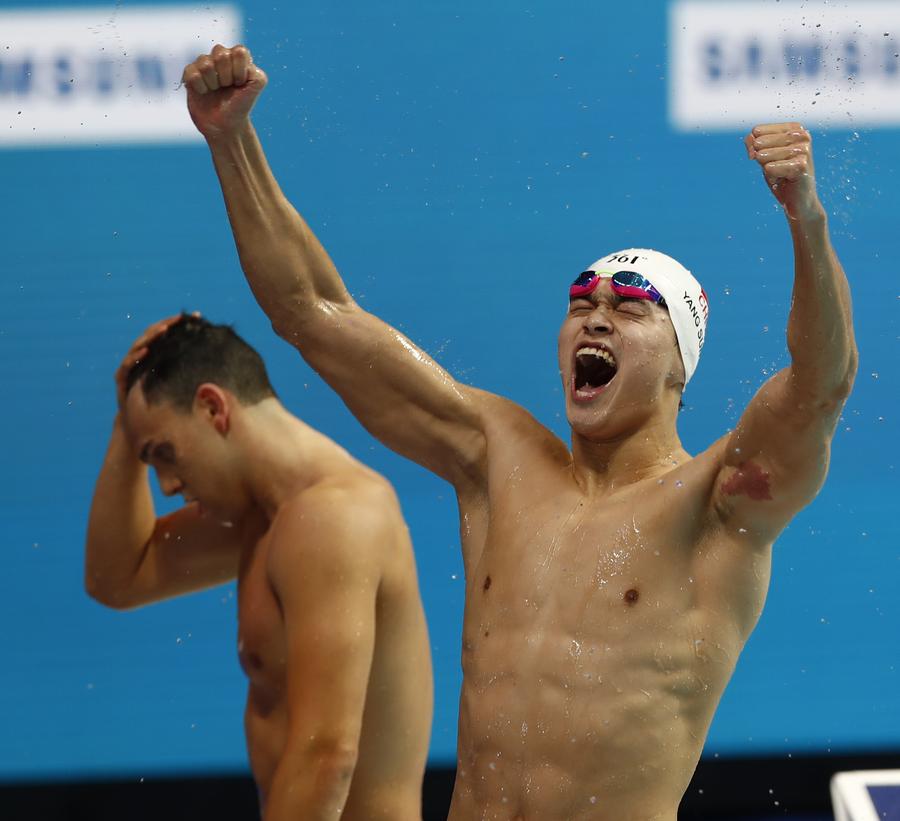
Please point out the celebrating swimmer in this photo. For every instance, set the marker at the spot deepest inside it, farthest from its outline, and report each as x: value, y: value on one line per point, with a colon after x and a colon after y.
x: 331, y: 631
x: 610, y: 586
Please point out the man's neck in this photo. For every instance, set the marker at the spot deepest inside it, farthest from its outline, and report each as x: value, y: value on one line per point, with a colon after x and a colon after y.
x: 604, y: 465
x: 282, y: 455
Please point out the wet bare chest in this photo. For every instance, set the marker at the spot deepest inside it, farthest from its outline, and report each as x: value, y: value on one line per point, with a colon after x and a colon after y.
x: 559, y: 567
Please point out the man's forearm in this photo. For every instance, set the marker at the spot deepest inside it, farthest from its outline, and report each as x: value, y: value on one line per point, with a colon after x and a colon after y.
x: 286, y: 266
x: 120, y: 524
x: 820, y: 327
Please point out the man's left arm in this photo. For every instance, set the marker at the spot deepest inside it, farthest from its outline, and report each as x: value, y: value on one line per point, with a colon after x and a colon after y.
x: 776, y: 458
x: 324, y: 570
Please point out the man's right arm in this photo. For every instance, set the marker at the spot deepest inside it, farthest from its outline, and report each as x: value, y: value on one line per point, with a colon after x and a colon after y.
x: 397, y: 391
x: 132, y: 557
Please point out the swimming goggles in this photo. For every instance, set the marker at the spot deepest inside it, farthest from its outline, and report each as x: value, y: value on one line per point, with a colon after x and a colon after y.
x: 624, y: 283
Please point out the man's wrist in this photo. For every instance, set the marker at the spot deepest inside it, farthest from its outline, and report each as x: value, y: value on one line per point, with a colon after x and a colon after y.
x: 230, y: 137
x: 811, y: 216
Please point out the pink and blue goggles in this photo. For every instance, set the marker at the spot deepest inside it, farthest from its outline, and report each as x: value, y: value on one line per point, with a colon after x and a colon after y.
x: 624, y: 283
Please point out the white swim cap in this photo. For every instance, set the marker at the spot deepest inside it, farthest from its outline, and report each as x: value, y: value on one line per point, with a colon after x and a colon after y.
x: 685, y: 299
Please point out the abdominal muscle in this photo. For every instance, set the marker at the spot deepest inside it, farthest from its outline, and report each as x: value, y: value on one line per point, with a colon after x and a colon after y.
x: 617, y: 756
x: 580, y: 703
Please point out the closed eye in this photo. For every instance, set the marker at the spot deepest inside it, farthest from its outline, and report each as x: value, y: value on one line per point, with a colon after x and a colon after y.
x: 632, y: 305
x: 577, y: 306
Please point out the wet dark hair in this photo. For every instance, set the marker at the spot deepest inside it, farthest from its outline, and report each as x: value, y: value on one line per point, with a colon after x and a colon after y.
x: 194, y: 351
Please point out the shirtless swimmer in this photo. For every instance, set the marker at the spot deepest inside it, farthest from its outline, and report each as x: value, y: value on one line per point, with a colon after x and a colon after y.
x: 330, y: 627
x: 610, y: 587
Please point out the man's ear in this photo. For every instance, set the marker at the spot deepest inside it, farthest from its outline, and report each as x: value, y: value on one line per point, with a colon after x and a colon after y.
x: 214, y: 405
x: 675, y: 376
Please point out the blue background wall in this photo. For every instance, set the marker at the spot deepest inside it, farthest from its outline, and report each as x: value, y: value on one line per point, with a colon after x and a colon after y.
x: 488, y: 151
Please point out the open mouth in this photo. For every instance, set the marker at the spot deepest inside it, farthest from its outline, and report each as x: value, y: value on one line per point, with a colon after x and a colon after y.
x: 594, y: 369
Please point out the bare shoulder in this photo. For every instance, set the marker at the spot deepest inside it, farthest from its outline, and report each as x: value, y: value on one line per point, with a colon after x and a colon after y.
x: 505, y: 421
x: 336, y: 526
x: 685, y: 495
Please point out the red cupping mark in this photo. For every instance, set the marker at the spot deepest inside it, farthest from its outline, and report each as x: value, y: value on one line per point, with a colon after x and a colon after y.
x: 748, y: 480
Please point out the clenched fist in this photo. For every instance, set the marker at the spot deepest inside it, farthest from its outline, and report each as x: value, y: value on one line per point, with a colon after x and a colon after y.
x: 784, y: 152
x: 222, y: 87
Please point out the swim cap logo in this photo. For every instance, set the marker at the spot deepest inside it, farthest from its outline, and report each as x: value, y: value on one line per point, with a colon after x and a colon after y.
x: 702, y: 307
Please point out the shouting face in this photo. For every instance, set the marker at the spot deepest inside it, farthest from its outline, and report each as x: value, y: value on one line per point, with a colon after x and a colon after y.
x: 619, y: 361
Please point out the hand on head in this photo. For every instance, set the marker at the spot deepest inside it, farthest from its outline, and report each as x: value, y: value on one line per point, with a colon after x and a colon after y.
x: 784, y: 152
x: 222, y: 87
x: 139, y: 349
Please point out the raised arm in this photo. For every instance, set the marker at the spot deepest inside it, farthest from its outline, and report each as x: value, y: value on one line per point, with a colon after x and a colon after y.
x: 132, y: 557
x: 399, y: 393
x: 777, y: 457
x: 325, y: 572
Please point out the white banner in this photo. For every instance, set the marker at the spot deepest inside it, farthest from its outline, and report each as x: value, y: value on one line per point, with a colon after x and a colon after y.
x: 733, y: 64
x: 75, y: 76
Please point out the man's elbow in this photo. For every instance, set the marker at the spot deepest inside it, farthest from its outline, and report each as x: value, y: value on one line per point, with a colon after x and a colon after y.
x: 843, y: 382
x: 318, y: 775
x: 332, y: 759
x: 825, y: 390
x: 852, y: 368
x: 336, y: 765
x: 107, y: 595
x: 308, y: 324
